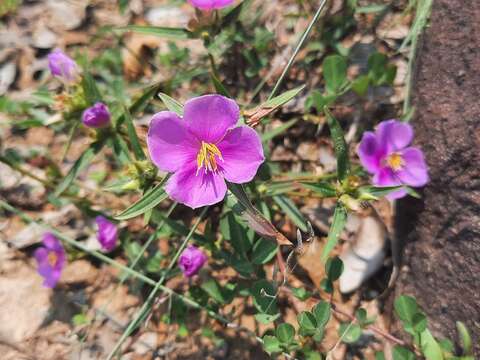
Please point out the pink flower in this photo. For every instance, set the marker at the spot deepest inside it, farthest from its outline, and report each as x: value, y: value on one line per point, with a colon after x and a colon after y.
x: 211, y: 4
x: 204, y: 149
x: 191, y: 260
x: 387, y: 155
x: 62, y: 66
x: 50, y: 260
x: 96, y: 116
x: 106, y: 234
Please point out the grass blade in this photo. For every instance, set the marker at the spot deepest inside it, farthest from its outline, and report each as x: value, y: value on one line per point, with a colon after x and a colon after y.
x: 340, y: 146
x: 171, y: 104
x: 338, y: 223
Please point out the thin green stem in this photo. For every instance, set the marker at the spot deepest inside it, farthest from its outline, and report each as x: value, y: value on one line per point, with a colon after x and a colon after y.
x: 141, y: 314
x: 297, y: 48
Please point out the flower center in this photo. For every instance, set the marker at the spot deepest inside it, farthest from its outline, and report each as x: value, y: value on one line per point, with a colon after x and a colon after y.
x: 395, y: 161
x: 52, y: 258
x: 207, y: 157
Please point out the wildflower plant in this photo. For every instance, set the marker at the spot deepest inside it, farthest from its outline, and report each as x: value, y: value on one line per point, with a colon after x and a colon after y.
x: 209, y: 156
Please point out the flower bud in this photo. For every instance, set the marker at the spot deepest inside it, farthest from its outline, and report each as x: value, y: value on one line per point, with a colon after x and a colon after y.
x: 96, y: 116
x: 62, y: 66
x: 191, y: 260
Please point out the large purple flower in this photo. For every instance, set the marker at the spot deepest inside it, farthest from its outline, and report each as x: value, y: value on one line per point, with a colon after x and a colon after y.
x: 203, y: 149
x: 211, y: 4
x: 50, y: 260
x: 106, y: 233
x: 191, y: 260
x: 62, y: 66
x: 387, y: 155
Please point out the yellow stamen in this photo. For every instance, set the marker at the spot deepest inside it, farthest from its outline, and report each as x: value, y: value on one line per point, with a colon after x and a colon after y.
x: 395, y: 161
x: 206, y: 157
x: 52, y: 258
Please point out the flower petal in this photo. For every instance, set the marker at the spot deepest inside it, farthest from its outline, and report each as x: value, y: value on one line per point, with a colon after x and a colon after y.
x: 394, y: 135
x: 415, y: 171
x: 196, y: 190
x: 210, y: 4
x: 106, y: 233
x: 242, y: 154
x: 370, y: 152
x: 210, y: 116
x: 169, y: 142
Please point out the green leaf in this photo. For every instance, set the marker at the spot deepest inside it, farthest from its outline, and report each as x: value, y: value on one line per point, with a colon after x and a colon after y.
x: 263, y: 293
x: 338, y: 223
x: 379, y: 355
x: 360, y: 85
x: 430, y: 348
x: 334, y: 72
x: 301, y: 293
x: 219, y: 87
x: 171, y: 104
x: 322, y: 188
x: 334, y: 268
x: 377, y: 63
x: 375, y: 192
x: 340, y: 146
x: 282, y: 99
x: 236, y: 234
x: 307, y: 321
x: 133, y: 137
x: 82, y: 162
x: 349, y: 333
x: 167, y: 32
x: 406, y: 307
x: 465, y: 338
x: 80, y: 319
x: 327, y: 286
x: 285, y: 333
x: 292, y: 211
x: 148, y: 201
x: 92, y: 94
x: 400, y: 353
x: 271, y: 344
x: 419, y: 322
x: 217, y: 293
x: 278, y: 130
x: 320, y: 101
x: 266, y: 319
x: 322, y: 312
x: 263, y: 251
x: 361, y: 316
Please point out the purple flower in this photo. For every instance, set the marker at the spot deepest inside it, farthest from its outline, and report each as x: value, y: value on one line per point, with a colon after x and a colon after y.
x: 62, y: 66
x: 50, y: 260
x: 387, y: 155
x: 96, y: 116
x: 211, y: 4
x: 106, y: 233
x: 203, y: 150
x: 191, y: 260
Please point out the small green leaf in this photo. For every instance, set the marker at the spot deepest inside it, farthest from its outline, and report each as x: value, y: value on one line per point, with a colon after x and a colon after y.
x: 292, y: 211
x: 322, y: 312
x: 80, y: 319
x: 282, y: 99
x: 83, y: 161
x: 406, y: 307
x: 271, y: 344
x: 301, y: 293
x: 263, y: 293
x: 361, y: 316
x: 327, y: 286
x: 322, y: 188
x: 375, y: 192
x: 263, y: 251
x: 400, y: 353
x: 268, y: 135
x: 465, y: 338
x: 334, y: 268
x: 171, y: 104
x: 430, y: 348
x: 360, y: 85
x: 219, y: 87
x: 285, y: 333
x: 338, y: 223
x: 148, y: 201
x: 307, y: 321
x: 92, y: 94
x: 349, y: 332
x: 167, y: 32
x: 319, y: 101
x: 340, y: 146
x: 215, y: 291
x: 266, y: 319
x: 419, y: 322
x: 335, y: 73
